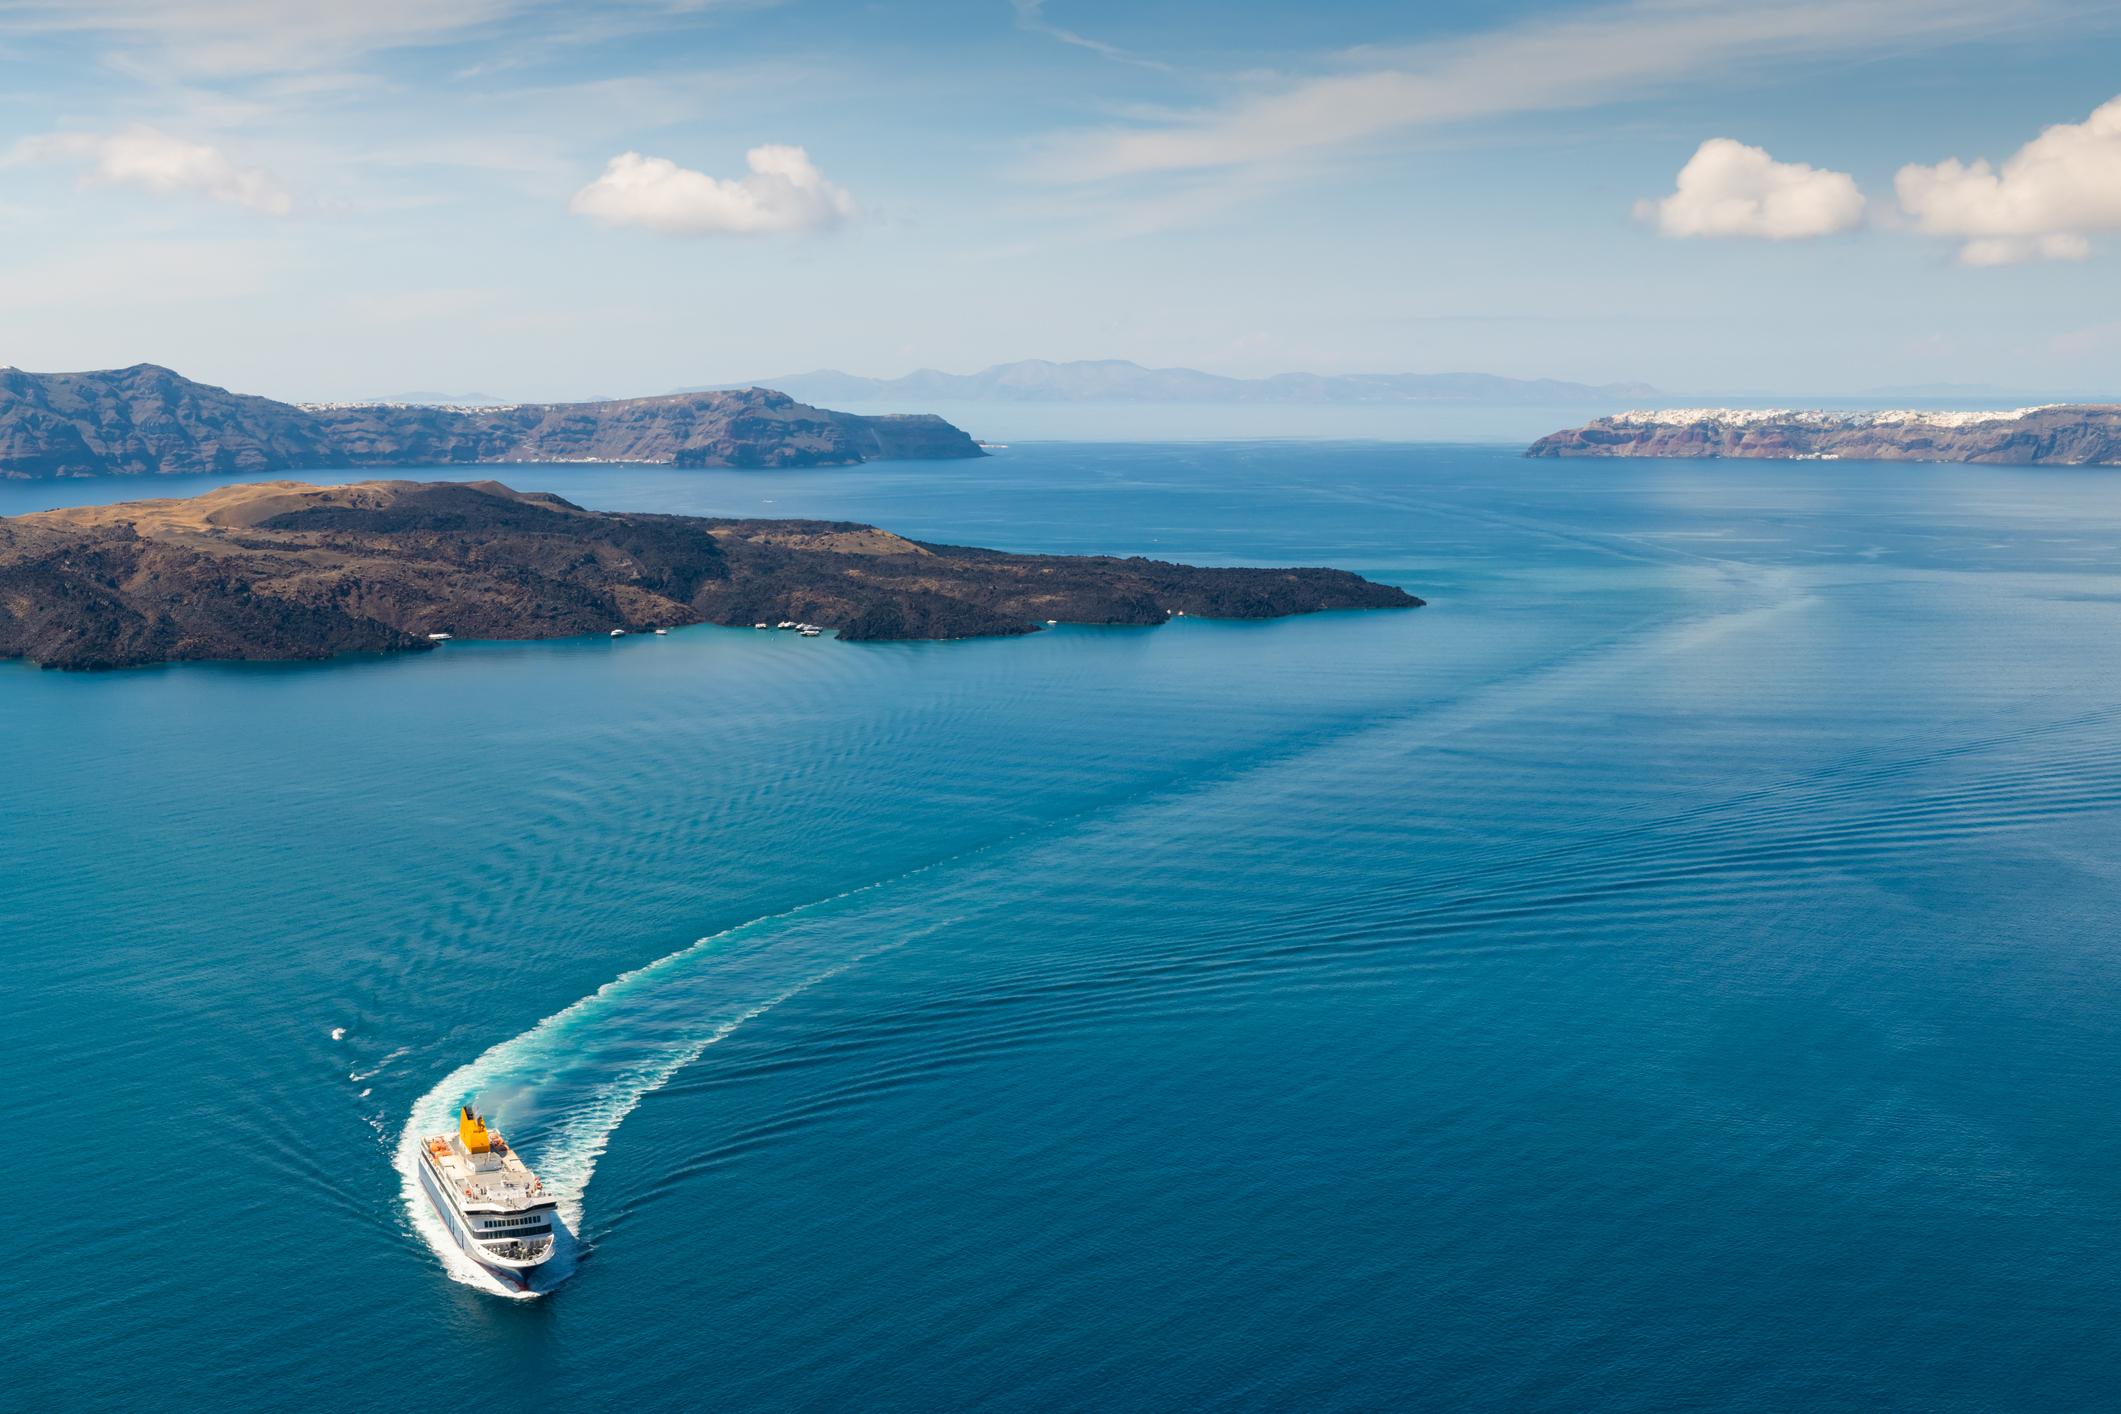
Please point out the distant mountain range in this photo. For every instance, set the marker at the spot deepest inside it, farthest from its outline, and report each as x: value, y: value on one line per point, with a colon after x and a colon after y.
x: 146, y: 420
x: 1115, y: 380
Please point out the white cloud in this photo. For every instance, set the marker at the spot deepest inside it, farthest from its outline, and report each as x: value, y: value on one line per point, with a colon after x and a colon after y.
x: 2041, y: 204
x: 1031, y: 16
x: 784, y: 192
x: 2016, y: 250
x: 230, y: 37
x: 1541, y: 65
x: 1729, y: 189
x: 155, y: 161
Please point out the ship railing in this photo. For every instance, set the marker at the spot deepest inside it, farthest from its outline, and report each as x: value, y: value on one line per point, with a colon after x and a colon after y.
x: 522, y: 1250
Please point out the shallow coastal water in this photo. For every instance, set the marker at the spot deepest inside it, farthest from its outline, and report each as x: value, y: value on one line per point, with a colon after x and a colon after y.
x: 1674, y: 969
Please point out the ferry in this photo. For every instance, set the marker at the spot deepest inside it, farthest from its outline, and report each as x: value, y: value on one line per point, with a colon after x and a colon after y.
x: 488, y: 1198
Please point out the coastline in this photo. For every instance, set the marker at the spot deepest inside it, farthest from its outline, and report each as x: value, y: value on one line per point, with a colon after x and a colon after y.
x: 283, y: 570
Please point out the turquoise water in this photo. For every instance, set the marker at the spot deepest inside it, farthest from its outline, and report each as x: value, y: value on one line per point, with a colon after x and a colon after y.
x: 1675, y: 969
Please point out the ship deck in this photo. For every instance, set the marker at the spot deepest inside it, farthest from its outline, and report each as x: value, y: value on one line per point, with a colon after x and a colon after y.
x: 508, y: 1187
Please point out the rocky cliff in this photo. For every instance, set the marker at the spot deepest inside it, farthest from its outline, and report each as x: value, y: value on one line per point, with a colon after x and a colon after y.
x: 143, y: 420
x: 146, y: 420
x: 2059, y: 435
x: 286, y: 570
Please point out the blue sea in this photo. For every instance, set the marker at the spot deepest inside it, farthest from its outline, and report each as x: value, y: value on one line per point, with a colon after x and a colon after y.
x: 1675, y: 969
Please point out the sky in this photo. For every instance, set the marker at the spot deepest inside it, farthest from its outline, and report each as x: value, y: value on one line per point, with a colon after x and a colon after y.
x: 520, y: 199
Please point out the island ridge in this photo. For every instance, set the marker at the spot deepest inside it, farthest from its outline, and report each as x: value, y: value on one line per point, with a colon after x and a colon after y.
x: 146, y: 420
x: 287, y: 570
x: 2060, y: 434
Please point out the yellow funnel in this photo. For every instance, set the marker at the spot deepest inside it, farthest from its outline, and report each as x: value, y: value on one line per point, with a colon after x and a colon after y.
x: 471, y: 1129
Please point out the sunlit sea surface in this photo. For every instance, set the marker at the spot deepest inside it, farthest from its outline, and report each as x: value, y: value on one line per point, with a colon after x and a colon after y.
x: 1676, y: 969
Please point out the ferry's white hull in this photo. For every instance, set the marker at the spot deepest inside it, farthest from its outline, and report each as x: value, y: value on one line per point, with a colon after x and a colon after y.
x: 514, y: 1276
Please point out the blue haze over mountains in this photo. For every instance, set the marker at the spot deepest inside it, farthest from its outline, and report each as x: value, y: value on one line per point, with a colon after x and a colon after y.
x: 1121, y: 380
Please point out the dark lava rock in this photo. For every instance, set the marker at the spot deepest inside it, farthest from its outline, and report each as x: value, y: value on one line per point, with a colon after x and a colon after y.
x: 287, y: 570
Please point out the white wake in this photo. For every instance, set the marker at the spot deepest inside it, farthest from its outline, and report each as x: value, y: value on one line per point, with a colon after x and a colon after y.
x: 560, y: 1089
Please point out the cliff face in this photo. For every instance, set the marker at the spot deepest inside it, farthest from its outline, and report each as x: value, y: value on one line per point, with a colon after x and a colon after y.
x: 284, y: 570
x: 754, y: 427
x: 143, y: 420
x: 2062, y: 435
x: 147, y: 420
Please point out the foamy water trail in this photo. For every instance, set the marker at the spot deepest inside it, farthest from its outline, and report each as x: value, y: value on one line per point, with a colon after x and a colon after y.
x: 560, y: 1089
x: 357, y: 1076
